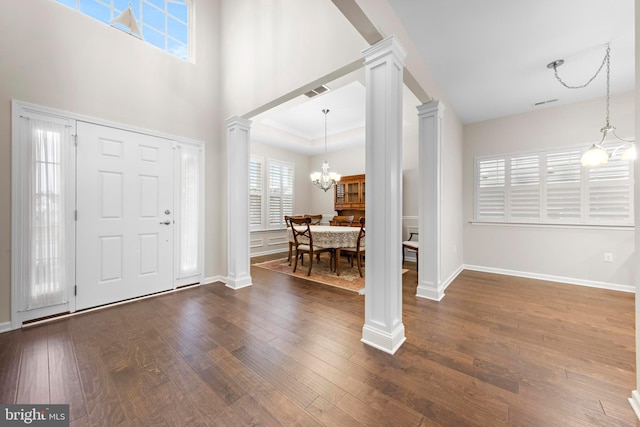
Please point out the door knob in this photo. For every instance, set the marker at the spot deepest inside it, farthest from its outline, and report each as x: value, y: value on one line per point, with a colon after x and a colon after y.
x: 167, y: 222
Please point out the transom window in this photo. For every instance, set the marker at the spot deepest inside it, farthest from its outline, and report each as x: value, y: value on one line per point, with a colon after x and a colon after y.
x: 552, y: 187
x: 165, y: 24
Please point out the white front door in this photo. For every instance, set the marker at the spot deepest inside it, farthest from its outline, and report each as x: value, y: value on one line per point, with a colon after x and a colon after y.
x: 125, y: 215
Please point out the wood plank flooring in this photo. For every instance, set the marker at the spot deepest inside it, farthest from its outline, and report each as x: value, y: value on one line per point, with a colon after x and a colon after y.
x: 497, y: 351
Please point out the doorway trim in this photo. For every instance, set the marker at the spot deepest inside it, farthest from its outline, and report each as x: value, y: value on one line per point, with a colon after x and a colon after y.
x: 18, y: 110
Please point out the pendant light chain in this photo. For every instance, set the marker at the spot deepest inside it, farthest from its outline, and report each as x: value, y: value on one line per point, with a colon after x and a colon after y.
x: 608, y: 75
x: 325, y: 111
x: 557, y: 63
x: 326, y: 179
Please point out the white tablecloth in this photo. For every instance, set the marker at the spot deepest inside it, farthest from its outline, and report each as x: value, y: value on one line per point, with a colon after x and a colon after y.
x: 326, y: 236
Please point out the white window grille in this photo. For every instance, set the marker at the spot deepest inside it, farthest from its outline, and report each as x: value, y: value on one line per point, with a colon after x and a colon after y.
x: 165, y: 24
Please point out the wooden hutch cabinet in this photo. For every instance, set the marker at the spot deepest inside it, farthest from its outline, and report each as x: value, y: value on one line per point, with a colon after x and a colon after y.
x: 349, y: 198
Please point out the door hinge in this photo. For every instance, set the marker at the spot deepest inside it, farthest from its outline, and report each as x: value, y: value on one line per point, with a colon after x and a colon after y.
x: 75, y: 290
x: 75, y: 139
x: 75, y: 215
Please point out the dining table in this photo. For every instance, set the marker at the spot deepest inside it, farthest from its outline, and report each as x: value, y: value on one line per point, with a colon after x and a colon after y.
x: 329, y: 236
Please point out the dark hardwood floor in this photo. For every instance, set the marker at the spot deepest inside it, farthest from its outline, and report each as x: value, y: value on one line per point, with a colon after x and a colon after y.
x: 497, y: 351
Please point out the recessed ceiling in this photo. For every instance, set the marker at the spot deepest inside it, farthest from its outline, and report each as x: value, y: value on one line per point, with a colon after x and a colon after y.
x: 490, y: 56
x: 346, y: 107
x: 298, y: 125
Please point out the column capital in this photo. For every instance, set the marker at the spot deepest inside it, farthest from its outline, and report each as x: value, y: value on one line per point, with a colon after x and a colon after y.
x: 386, y: 46
x: 431, y: 107
x: 237, y: 121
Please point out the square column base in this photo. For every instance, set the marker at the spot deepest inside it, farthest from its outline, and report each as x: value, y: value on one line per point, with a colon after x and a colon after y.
x: 429, y: 292
x: 239, y: 282
x: 389, y: 343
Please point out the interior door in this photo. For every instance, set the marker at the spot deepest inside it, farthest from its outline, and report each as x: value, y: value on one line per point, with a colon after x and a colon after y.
x: 124, y: 215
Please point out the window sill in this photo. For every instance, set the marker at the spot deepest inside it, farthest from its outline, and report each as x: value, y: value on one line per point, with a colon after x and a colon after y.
x: 554, y: 225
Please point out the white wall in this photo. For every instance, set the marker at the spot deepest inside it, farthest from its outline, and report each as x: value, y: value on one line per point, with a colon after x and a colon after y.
x: 452, y: 199
x: 56, y: 57
x: 273, y: 47
x: 574, y: 253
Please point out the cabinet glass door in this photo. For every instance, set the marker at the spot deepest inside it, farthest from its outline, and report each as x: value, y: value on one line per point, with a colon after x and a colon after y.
x: 353, y: 192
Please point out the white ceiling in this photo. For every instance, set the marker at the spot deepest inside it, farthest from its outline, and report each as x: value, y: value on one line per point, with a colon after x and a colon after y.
x: 489, y: 57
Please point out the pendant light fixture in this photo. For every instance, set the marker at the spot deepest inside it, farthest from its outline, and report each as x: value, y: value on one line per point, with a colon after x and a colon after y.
x: 325, y: 179
x: 600, y: 153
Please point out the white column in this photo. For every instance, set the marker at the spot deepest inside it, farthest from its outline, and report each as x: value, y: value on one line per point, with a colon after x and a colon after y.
x: 429, y: 211
x: 383, y: 328
x: 238, y: 256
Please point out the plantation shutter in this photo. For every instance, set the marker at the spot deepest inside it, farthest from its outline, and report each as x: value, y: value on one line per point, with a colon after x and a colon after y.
x: 490, y: 189
x: 610, y: 193
x: 280, y: 193
x: 525, y: 187
x: 552, y: 187
x: 563, y: 186
x: 255, y: 193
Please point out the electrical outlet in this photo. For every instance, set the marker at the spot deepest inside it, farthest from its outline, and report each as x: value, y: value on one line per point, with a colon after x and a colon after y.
x: 608, y: 257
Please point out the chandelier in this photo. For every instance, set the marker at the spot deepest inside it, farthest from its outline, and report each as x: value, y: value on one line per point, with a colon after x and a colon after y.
x: 600, y: 153
x: 325, y: 179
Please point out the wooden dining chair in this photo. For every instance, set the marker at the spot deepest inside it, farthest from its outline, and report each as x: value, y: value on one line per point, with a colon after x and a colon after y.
x: 358, y: 251
x: 315, y: 219
x: 342, y: 220
x: 412, y: 245
x: 286, y: 221
x: 300, y: 228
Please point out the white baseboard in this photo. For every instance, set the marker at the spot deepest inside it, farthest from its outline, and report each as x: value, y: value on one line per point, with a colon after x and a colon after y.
x: 5, y: 327
x: 634, y: 400
x: 551, y: 278
x: 214, y: 279
x: 410, y: 256
x: 271, y: 252
x: 451, y: 278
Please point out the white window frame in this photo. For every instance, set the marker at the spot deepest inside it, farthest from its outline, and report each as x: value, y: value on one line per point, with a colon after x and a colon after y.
x: 267, y: 209
x: 19, y: 209
x: 258, y: 192
x: 194, y: 274
x: 190, y: 24
x: 278, y: 211
x: 20, y: 245
x: 593, y: 203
